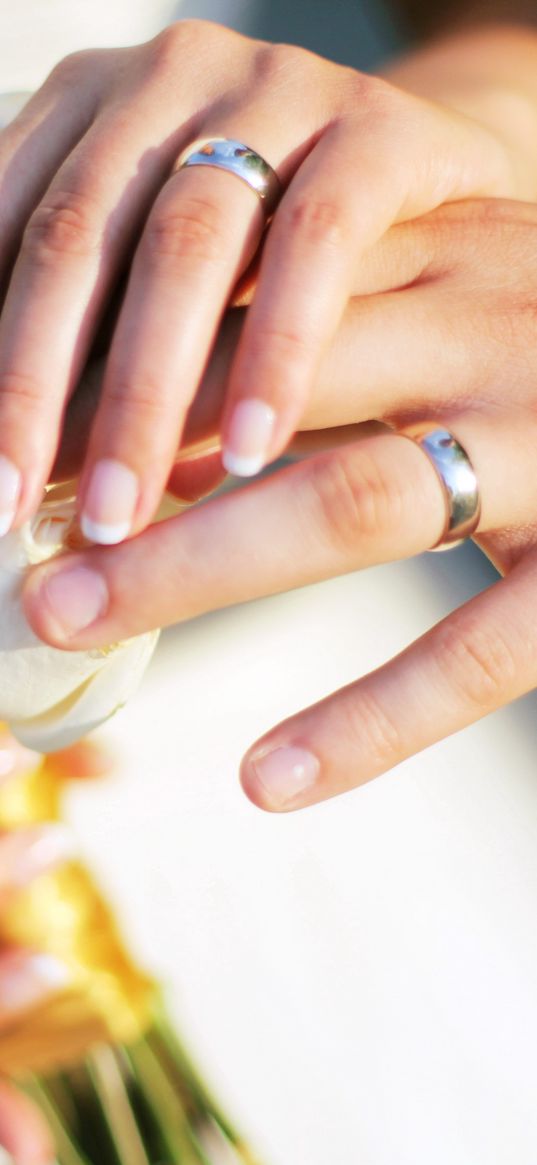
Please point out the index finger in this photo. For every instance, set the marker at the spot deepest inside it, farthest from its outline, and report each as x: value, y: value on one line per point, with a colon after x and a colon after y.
x: 318, y: 518
x: 475, y: 661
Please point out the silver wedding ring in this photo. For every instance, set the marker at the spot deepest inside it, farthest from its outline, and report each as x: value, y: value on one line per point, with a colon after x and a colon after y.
x: 238, y: 159
x: 457, y: 477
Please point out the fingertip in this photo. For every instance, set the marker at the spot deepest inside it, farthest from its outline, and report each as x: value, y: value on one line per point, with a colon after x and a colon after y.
x: 109, y: 502
x: 10, y: 492
x: 248, y: 437
x: 60, y: 601
x: 251, y: 788
x: 280, y: 778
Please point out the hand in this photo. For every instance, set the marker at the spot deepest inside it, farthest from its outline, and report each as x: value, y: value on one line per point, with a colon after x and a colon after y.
x: 456, y: 343
x: 354, y: 155
x: 28, y: 978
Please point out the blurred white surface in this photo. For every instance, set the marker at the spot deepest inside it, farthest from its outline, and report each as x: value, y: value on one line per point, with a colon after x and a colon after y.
x: 358, y: 980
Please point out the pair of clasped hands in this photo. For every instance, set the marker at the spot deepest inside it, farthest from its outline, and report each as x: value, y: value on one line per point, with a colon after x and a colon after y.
x: 154, y: 334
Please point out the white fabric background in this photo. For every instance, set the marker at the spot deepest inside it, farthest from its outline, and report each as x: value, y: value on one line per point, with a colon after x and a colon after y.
x: 358, y: 980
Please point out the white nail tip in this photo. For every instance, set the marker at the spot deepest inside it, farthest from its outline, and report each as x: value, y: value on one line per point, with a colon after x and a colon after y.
x: 242, y: 466
x: 49, y: 971
x: 104, y: 534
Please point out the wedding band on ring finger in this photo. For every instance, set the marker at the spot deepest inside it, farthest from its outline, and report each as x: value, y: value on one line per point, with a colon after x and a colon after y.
x: 239, y: 159
x: 457, y: 478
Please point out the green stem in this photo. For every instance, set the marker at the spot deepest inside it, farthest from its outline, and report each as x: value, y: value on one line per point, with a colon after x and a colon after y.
x: 170, y: 1051
x: 66, y: 1149
x: 165, y: 1040
x: 138, y: 1105
x: 106, y: 1074
x: 167, y: 1106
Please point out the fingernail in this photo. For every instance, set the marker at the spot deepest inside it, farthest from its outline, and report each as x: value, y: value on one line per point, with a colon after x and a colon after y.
x: 249, y: 436
x: 26, y: 854
x: 10, y: 488
x: 285, y: 773
x: 75, y: 598
x: 28, y: 979
x: 110, y: 503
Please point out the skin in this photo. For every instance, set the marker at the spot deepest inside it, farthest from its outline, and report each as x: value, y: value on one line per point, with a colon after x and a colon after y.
x: 451, y: 121
x: 355, y: 154
x: 454, y: 291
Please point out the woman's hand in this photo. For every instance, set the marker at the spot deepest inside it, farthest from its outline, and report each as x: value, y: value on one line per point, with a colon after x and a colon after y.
x: 455, y: 344
x: 28, y: 978
x: 86, y: 180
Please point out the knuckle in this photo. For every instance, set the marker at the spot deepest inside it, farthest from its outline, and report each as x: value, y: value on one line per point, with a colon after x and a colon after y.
x: 192, y: 229
x: 21, y: 390
x: 287, y: 346
x: 364, y: 97
x: 478, y: 663
x: 282, y: 62
x: 353, y: 500
x: 76, y: 69
x: 141, y: 397
x: 368, y: 94
x: 183, y: 38
x: 65, y: 223
x: 68, y: 71
x: 318, y: 221
x: 491, y: 227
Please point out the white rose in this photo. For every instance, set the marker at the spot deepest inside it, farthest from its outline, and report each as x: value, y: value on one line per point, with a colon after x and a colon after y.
x: 51, y: 698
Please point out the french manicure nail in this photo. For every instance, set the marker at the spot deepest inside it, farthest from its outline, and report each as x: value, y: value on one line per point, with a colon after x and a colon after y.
x: 285, y: 773
x: 110, y: 503
x: 27, y: 979
x: 75, y: 598
x: 247, y: 445
x: 10, y: 488
x: 26, y: 854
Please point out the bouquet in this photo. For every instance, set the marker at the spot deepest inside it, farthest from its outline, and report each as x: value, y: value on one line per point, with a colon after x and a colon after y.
x: 100, y: 1058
